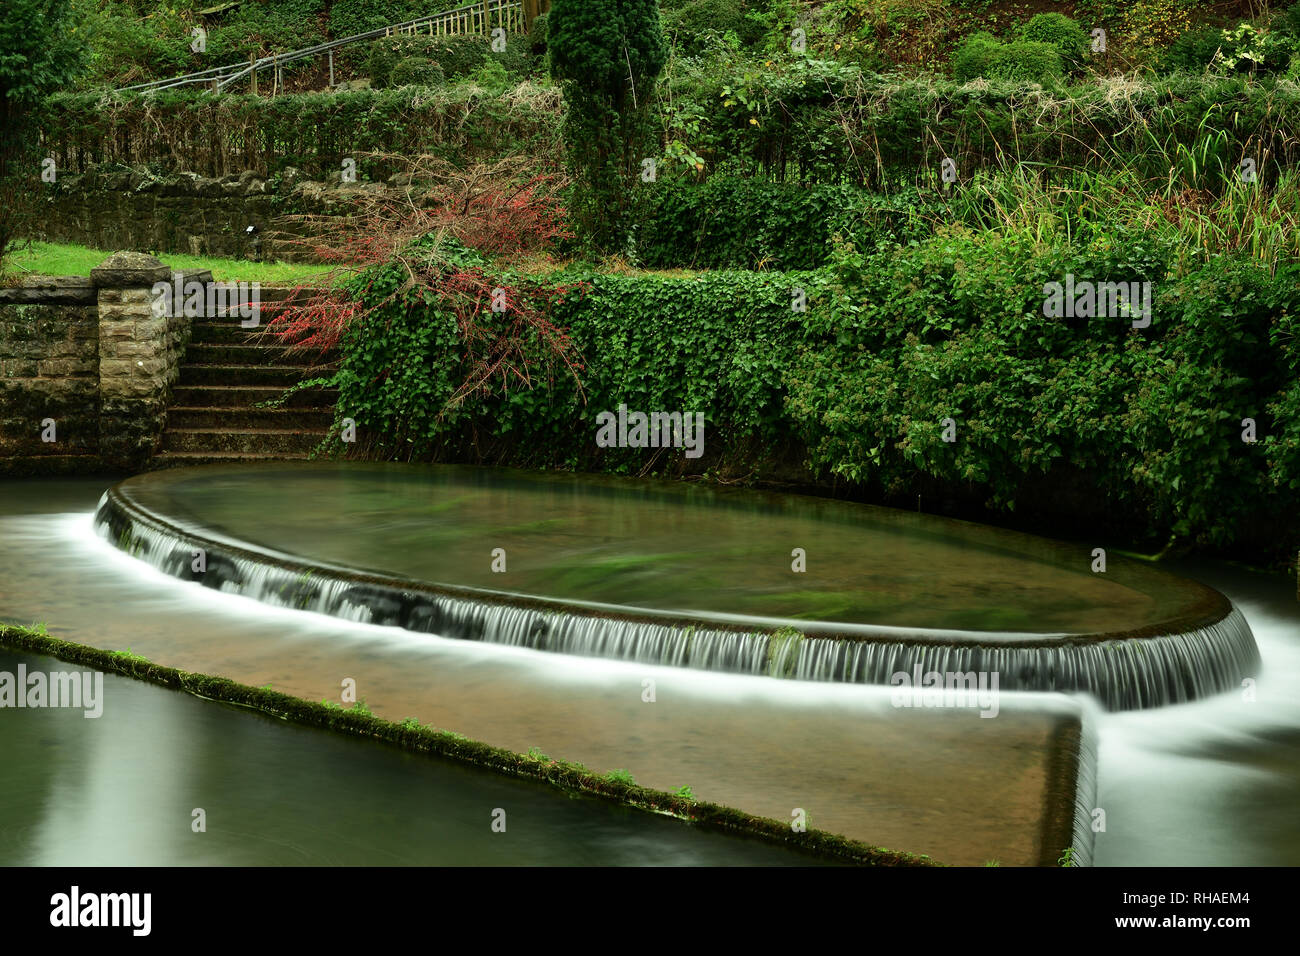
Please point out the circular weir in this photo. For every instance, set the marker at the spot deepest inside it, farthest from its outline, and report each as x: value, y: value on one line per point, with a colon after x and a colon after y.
x: 686, y: 575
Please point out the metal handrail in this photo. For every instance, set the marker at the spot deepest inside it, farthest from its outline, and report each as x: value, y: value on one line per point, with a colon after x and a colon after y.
x: 225, y: 75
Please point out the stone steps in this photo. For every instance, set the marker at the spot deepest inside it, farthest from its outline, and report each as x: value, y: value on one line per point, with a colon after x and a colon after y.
x: 281, y: 375
x: 229, y: 331
x: 177, y: 459
x: 239, y: 418
x: 227, y: 371
x: 245, y: 396
x: 203, y: 353
x: 269, y: 441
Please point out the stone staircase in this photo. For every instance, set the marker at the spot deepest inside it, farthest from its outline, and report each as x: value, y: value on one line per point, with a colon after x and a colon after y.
x: 226, y: 372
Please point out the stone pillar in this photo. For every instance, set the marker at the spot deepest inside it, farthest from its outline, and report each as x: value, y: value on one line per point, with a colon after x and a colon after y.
x: 136, y: 358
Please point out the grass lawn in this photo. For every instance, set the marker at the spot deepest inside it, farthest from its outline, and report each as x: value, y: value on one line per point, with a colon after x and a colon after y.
x: 60, y: 259
x: 48, y: 258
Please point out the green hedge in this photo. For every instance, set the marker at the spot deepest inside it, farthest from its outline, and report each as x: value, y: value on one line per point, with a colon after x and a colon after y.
x: 214, y: 135
x: 810, y: 121
x: 817, y: 121
x: 1144, y: 424
x: 736, y: 222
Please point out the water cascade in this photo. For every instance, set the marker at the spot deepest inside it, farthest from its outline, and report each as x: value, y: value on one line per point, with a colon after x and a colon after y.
x: 1149, y: 666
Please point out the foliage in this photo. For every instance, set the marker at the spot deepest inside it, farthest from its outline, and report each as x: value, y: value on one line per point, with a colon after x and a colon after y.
x: 40, y: 52
x: 1245, y: 48
x: 894, y: 340
x: 818, y: 122
x: 973, y: 58
x: 1193, y: 51
x: 800, y: 119
x: 1065, y: 35
x: 214, y: 135
x: 738, y: 222
x: 983, y: 55
x: 417, y: 71
x: 1148, y: 25
x: 262, y: 27
x: 350, y: 17
x: 607, y: 54
x: 1026, y: 60
x: 691, y: 24
x: 904, y: 32
x: 121, y: 47
x: 537, y: 36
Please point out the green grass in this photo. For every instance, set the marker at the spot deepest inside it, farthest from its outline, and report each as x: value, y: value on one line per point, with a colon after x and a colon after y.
x: 58, y: 259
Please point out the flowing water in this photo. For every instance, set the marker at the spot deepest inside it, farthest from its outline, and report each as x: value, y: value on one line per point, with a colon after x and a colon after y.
x: 842, y: 753
x: 1209, y: 782
x: 1215, y: 781
x: 692, y: 565
x: 122, y: 789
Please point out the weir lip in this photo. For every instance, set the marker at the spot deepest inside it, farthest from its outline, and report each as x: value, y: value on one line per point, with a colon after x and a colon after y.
x: 1186, y: 640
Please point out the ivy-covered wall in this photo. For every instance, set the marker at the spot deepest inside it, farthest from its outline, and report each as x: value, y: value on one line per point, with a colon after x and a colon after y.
x: 854, y: 393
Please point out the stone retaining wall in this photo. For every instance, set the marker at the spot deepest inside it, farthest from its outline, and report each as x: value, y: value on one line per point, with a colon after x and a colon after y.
x: 87, y: 366
x: 189, y: 214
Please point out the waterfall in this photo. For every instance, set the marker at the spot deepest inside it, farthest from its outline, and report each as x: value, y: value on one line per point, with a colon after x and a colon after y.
x: 1085, y: 790
x: 1122, y: 673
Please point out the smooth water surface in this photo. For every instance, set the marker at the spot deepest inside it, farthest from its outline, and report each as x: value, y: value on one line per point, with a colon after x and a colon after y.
x: 121, y: 789
x: 946, y: 782
x: 665, y: 546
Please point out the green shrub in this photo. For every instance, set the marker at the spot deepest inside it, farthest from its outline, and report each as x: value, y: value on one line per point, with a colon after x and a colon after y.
x: 691, y: 24
x: 459, y: 55
x: 1026, y: 60
x: 1288, y: 21
x: 40, y: 54
x: 607, y: 54
x: 973, y: 58
x: 1146, y: 424
x: 384, y: 55
x: 1246, y: 49
x: 537, y: 35
x: 268, y: 27
x: 310, y: 130
x: 350, y: 17
x: 456, y: 57
x: 738, y: 222
x: 1192, y: 52
x: 417, y: 71
x: 516, y: 59
x: 1064, y: 34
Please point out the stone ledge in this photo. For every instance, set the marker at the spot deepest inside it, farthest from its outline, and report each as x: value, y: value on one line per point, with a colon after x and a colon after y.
x: 129, y: 269
x: 50, y: 290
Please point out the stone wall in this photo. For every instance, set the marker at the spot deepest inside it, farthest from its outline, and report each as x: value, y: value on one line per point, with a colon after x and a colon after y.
x: 49, y: 376
x: 189, y: 214
x: 87, y: 366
